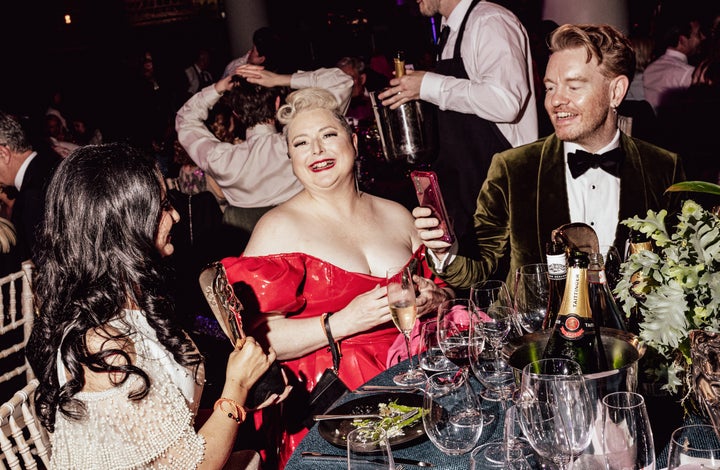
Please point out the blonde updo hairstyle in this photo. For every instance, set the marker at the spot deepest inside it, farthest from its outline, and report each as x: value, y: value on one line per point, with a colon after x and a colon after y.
x: 308, y: 99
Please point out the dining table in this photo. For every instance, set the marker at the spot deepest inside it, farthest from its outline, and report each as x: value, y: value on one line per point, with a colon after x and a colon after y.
x: 421, y: 448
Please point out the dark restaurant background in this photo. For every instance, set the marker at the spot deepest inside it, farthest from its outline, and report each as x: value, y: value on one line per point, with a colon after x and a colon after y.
x: 90, y: 58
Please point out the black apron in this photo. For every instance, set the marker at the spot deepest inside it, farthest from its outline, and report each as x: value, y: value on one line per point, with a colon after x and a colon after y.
x: 466, y: 146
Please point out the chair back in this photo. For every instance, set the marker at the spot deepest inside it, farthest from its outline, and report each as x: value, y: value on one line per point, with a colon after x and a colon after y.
x: 23, y: 442
x: 16, y: 323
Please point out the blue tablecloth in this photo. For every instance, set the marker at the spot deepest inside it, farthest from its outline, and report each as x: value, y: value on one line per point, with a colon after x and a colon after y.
x: 420, y: 449
x: 423, y: 449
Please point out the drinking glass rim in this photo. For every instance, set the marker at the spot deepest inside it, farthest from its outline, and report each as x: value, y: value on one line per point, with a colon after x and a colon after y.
x: 677, y: 433
x: 637, y: 399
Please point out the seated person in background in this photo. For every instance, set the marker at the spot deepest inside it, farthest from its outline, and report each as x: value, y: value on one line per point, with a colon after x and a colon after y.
x: 360, y: 105
x: 119, y: 381
x: 254, y: 175
x: 535, y: 188
x: 327, y: 249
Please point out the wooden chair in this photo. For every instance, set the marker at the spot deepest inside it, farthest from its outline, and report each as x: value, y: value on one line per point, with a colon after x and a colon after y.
x: 23, y: 441
x: 15, y: 329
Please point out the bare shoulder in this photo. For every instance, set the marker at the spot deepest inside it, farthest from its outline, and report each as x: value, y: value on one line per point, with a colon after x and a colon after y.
x: 387, y: 208
x: 271, y: 233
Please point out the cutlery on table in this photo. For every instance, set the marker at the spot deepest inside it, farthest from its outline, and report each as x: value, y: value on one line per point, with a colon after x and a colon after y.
x: 343, y: 458
x: 403, y: 417
x: 386, y: 388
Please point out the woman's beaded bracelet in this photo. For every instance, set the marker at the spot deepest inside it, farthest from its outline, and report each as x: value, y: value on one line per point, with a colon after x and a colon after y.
x: 240, y: 412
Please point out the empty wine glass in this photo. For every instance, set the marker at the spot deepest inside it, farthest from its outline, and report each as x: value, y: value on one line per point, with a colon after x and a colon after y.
x: 556, y: 411
x: 489, y: 364
x: 694, y: 447
x: 401, y: 298
x: 368, y: 448
x: 626, y: 433
x: 485, y: 294
x: 452, y: 417
x: 431, y: 357
x: 531, y: 295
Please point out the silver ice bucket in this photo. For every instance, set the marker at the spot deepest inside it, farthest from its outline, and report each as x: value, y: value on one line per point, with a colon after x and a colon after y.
x: 623, y: 351
x: 407, y: 133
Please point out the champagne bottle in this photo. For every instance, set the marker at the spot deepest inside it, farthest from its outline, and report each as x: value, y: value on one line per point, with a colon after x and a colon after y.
x: 573, y: 336
x: 557, y: 272
x: 605, y: 309
x: 638, y: 242
x: 399, y: 62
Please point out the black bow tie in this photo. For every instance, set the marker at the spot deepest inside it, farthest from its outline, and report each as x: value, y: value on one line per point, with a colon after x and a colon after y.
x: 581, y: 161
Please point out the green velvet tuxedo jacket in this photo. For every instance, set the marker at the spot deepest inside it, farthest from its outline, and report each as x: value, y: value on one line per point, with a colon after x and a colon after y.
x: 525, y: 197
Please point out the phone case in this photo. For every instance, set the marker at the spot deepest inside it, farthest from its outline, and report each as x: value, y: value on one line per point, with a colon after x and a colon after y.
x: 428, y: 194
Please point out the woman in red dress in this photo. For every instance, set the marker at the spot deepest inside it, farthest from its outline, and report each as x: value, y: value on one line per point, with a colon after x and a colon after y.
x: 326, y: 250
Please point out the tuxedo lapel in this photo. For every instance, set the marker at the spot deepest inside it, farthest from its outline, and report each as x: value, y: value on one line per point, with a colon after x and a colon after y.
x: 633, y: 191
x: 552, y: 197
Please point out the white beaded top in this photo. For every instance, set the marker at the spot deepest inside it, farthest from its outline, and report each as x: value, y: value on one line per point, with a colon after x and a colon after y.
x: 155, y: 432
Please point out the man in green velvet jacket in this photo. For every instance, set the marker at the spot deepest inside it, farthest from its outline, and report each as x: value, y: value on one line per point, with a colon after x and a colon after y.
x: 533, y: 189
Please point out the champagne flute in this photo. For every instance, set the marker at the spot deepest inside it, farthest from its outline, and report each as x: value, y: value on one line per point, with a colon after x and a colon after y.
x: 368, y: 448
x: 626, y: 433
x: 556, y: 411
x: 401, y: 298
x: 531, y: 295
x: 694, y: 447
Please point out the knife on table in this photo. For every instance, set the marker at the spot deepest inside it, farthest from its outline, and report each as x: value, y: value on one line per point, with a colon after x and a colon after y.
x: 342, y: 458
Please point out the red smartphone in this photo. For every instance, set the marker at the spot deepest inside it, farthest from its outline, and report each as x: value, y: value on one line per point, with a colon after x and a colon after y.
x: 428, y: 194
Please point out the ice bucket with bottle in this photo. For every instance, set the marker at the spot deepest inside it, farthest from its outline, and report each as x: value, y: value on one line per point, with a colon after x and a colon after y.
x: 623, y: 351
x: 407, y: 133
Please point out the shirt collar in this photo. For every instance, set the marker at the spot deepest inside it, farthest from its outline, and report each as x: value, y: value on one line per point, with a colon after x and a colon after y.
x: 569, y: 147
x: 20, y: 176
x: 456, y: 16
x: 676, y: 54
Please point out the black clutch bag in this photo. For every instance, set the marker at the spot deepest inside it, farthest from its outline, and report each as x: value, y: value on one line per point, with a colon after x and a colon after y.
x: 228, y: 309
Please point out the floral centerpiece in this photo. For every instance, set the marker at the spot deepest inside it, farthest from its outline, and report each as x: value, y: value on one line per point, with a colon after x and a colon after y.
x: 678, y: 283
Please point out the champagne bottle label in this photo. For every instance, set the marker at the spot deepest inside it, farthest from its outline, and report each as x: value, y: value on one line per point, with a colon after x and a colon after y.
x: 575, y: 318
x: 557, y: 266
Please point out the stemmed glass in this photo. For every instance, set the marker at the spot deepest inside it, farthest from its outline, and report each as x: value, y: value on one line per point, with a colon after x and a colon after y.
x: 453, y: 330
x: 532, y: 293
x: 485, y: 294
x: 556, y: 411
x: 694, y: 447
x: 452, y: 417
x: 626, y: 433
x: 368, y: 448
x: 401, y: 298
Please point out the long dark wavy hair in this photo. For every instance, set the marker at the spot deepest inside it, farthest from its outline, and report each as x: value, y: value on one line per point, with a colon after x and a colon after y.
x: 96, y: 256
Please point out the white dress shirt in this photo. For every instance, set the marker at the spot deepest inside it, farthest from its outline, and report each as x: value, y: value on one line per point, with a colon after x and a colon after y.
x: 496, y: 54
x: 594, y: 196
x: 257, y: 172
x: 670, y: 71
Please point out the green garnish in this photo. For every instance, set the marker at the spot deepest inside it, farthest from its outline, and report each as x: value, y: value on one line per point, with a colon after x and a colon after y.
x: 395, y: 418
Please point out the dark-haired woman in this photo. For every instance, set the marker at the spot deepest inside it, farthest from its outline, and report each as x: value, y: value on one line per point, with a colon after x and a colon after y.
x: 119, y: 382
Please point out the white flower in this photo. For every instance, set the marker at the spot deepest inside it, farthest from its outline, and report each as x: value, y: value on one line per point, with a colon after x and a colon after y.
x: 680, y: 284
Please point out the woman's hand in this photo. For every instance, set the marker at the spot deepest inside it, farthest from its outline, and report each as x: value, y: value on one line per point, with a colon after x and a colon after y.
x: 364, y: 312
x: 430, y: 295
x: 246, y: 365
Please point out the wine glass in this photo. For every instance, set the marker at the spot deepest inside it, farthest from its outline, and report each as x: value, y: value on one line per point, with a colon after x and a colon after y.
x: 368, y: 448
x: 485, y: 294
x: 515, y: 460
x: 694, y: 447
x: 488, y: 363
x: 452, y: 417
x: 531, y: 295
x: 431, y: 357
x: 626, y: 433
x: 401, y: 298
x: 453, y: 330
x: 556, y: 411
